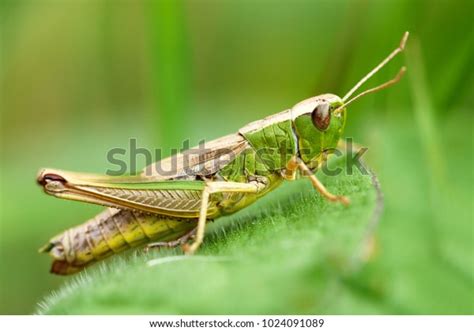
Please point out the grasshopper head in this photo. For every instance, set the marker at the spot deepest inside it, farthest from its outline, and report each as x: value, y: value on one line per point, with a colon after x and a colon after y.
x: 319, y: 123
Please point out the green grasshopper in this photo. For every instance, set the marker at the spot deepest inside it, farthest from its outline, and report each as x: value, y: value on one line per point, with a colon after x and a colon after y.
x: 171, y: 209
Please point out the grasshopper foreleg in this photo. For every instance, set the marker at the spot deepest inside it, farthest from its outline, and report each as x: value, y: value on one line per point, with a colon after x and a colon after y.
x: 318, y: 185
x: 211, y: 188
x: 171, y: 244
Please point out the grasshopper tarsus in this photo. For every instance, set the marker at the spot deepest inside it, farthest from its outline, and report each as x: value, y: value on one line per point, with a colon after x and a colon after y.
x: 344, y: 200
x: 187, y: 249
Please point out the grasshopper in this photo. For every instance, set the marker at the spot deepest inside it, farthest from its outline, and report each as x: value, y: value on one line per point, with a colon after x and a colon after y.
x: 172, y: 209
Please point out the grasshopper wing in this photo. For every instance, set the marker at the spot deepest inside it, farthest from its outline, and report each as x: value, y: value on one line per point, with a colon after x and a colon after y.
x: 203, y: 160
x: 174, y: 194
x: 178, y: 198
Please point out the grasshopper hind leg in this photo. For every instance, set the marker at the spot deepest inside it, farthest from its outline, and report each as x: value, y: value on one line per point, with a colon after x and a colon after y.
x: 209, y: 189
x: 172, y: 244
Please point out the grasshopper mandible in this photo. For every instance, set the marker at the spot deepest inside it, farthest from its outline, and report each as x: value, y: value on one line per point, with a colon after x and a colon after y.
x: 170, y: 210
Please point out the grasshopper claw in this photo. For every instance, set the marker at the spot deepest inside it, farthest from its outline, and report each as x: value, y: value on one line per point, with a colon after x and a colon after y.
x: 344, y: 200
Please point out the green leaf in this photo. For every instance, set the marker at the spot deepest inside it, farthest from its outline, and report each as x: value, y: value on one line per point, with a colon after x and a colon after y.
x: 289, y: 253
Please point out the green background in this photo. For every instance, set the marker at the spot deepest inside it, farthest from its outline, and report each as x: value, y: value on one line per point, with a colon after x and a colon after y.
x: 81, y: 77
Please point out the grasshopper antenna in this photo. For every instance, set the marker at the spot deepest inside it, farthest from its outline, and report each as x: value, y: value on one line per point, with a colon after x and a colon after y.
x: 380, y: 87
x: 399, y: 49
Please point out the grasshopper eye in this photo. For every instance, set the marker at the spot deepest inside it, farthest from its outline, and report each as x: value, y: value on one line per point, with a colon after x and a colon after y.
x: 321, y: 116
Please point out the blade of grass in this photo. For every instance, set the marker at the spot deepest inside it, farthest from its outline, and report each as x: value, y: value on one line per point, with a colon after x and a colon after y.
x: 171, y: 64
x: 435, y: 164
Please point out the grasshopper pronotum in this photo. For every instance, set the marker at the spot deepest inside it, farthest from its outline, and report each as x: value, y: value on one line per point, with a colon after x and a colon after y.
x: 169, y: 210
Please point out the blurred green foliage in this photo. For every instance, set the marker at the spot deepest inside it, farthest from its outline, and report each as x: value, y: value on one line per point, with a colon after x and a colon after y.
x: 79, y: 78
